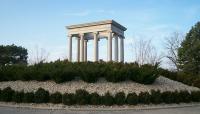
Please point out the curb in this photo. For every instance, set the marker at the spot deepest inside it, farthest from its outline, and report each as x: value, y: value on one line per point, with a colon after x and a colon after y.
x: 100, y: 108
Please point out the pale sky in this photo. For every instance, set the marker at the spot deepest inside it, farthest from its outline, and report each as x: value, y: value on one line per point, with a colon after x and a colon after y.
x: 41, y: 23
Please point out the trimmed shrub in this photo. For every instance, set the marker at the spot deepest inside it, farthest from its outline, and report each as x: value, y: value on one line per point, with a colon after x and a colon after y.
x: 89, y: 72
x: 28, y: 97
x: 0, y: 94
x: 120, y: 98
x: 68, y: 99
x: 147, y: 74
x: 56, y: 98
x: 195, y: 96
x: 167, y: 97
x: 82, y: 97
x: 116, y: 74
x: 41, y: 96
x: 156, y: 97
x: 95, y: 99
x: 144, y: 97
x: 185, y: 96
x: 133, y: 73
x: 108, y: 99
x: 18, y: 96
x: 176, y: 98
x: 196, y: 82
x: 132, y: 99
x: 188, y: 79
x: 6, y: 94
x: 62, y: 71
x: 63, y: 75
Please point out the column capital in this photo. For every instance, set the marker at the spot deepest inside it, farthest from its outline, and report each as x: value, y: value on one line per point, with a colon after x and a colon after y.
x: 109, y: 31
x: 115, y: 35
x: 96, y: 32
x: 121, y: 37
x: 81, y: 34
x: 69, y: 35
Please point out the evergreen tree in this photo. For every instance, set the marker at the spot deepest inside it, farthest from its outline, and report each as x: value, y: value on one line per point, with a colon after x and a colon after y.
x: 12, y: 54
x: 189, y: 52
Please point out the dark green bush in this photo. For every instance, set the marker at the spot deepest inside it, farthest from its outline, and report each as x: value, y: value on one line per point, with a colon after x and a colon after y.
x: 82, y: 97
x: 62, y: 71
x: 41, y: 96
x: 144, y: 97
x: 147, y: 74
x: 68, y: 99
x: 180, y: 76
x: 18, y: 96
x: 185, y: 96
x: 132, y: 99
x: 95, y: 99
x: 89, y: 72
x: 116, y: 73
x: 167, y: 97
x: 196, y: 82
x: 156, y: 97
x: 133, y: 73
x: 56, y: 98
x: 6, y: 94
x: 63, y: 75
x: 195, y: 96
x: 108, y: 99
x: 0, y: 94
x: 176, y: 98
x: 120, y: 98
x: 28, y: 97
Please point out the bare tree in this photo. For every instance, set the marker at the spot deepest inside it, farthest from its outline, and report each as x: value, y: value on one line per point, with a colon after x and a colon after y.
x: 172, y: 43
x: 39, y: 55
x: 145, y: 52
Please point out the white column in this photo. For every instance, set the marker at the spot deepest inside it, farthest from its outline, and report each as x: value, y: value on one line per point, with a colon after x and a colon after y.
x: 109, y: 56
x: 121, y: 49
x: 78, y: 50
x: 85, y: 50
x: 95, y: 46
x: 82, y: 47
x: 116, y: 48
x: 70, y: 48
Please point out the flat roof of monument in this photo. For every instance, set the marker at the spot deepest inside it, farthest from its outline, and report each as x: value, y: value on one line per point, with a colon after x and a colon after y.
x: 97, y: 23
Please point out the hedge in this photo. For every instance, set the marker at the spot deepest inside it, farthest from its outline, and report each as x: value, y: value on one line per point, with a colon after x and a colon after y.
x: 82, y: 97
x: 28, y: 97
x: 63, y: 71
x: 69, y: 99
x: 132, y: 99
x: 41, y: 96
x: 120, y: 98
x: 180, y: 76
x: 56, y: 98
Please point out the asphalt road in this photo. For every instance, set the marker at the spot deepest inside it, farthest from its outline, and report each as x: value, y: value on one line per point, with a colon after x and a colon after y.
x: 184, y: 110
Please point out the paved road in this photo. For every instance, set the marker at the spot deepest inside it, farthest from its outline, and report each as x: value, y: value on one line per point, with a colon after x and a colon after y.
x: 185, y: 110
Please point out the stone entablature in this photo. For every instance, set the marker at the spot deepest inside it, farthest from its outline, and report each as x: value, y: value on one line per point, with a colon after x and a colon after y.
x: 108, y: 29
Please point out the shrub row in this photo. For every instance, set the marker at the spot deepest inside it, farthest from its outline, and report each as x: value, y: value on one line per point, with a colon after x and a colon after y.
x: 82, y: 97
x: 62, y: 71
x: 188, y: 79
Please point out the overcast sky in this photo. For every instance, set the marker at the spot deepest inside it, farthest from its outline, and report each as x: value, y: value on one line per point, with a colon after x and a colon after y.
x: 41, y: 23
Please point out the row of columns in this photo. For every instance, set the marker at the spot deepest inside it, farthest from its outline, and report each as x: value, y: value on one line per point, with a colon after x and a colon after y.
x: 82, y: 48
